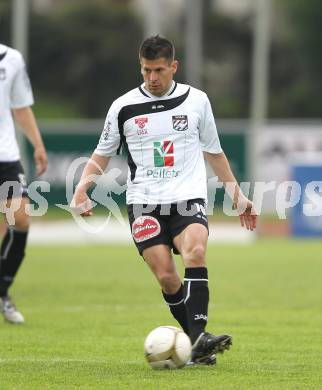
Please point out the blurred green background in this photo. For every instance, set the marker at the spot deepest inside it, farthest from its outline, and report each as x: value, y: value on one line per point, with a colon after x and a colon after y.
x: 83, y: 54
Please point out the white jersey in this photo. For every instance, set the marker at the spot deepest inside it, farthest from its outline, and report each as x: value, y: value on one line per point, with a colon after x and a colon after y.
x: 15, y: 92
x: 164, y: 138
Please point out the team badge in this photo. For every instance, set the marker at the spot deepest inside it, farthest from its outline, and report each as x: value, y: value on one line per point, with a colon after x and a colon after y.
x: 141, y: 124
x: 145, y: 227
x: 141, y: 121
x: 180, y: 122
x: 2, y: 74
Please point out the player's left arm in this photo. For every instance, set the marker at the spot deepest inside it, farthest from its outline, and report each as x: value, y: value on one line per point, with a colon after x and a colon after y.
x: 244, y: 206
x: 24, y: 116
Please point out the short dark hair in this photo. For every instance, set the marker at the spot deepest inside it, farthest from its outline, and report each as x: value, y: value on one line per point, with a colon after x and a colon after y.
x: 156, y: 47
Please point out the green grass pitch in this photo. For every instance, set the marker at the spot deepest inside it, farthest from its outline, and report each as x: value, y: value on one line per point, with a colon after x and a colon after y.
x: 88, y: 310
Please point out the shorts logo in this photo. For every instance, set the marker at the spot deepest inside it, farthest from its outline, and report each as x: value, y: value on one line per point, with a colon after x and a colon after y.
x: 141, y: 121
x: 180, y: 122
x: 144, y: 228
x: 163, y: 153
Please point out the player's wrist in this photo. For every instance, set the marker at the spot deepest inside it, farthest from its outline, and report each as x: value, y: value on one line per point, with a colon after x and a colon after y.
x: 39, y: 146
x: 81, y: 188
x: 239, y: 201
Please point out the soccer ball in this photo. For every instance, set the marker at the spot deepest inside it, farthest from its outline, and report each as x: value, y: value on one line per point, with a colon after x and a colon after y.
x: 167, y: 347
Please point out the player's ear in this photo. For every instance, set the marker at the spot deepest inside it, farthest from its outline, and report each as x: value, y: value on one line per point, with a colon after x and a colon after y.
x: 141, y: 65
x: 174, y: 66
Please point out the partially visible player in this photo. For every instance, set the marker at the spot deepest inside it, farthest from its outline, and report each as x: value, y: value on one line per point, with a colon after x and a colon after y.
x: 167, y: 129
x: 15, y: 98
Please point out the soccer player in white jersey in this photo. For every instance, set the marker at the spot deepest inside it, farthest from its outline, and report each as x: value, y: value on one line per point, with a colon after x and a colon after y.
x: 15, y: 98
x: 167, y: 129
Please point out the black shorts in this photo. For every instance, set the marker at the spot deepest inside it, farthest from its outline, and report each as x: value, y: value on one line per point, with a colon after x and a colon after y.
x: 12, y: 181
x: 159, y: 224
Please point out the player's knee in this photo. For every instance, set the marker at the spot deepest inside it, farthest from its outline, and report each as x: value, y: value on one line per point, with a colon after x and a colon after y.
x: 168, y: 281
x: 195, y: 256
x: 22, y: 223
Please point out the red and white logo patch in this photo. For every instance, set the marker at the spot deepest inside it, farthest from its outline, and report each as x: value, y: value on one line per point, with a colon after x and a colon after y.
x: 141, y: 121
x: 144, y: 228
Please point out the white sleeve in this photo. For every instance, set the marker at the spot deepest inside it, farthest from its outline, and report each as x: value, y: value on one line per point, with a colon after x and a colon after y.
x: 109, y: 143
x: 208, y: 131
x: 21, y: 92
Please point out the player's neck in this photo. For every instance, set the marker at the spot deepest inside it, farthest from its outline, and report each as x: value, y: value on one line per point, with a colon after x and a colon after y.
x: 166, y: 93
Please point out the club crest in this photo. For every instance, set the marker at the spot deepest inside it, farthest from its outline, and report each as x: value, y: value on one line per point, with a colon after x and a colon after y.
x: 180, y: 122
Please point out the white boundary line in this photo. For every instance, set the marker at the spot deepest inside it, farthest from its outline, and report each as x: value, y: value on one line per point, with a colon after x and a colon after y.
x: 67, y: 232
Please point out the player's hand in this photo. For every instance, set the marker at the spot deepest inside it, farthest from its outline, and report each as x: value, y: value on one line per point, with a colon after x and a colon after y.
x: 81, y: 204
x: 41, y: 161
x: 247, y: 213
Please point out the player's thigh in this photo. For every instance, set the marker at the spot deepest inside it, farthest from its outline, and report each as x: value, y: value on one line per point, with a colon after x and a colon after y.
x: 14, y: 194
x: 148, y: 228
x: 192, y: 244
x: 160, y: 261
x: 16, y: 212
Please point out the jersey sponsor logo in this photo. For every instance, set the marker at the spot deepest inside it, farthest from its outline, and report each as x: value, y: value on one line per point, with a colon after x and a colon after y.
x: 162, y: 173
x: 141, y: 121
x: 180, y: 122
x: 3, y: 74
x: 163, y: 152
x: 142, y: 132
x: 144, y: 228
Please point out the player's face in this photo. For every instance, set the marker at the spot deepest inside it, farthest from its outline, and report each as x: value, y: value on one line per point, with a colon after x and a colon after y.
x: 158, y: 74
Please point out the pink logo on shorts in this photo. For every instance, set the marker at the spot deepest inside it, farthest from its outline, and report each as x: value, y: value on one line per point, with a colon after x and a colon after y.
x: 144, y: 228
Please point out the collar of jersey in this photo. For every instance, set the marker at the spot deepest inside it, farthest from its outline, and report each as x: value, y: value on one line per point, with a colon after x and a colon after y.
x: 171, y: 90
x: 3, y: 50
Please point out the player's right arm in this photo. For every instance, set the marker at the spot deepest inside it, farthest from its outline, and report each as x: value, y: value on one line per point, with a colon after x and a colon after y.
x: 26, y: 119
x: 21, y: 100
x: 94, y: 168
x: 107, y: 147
